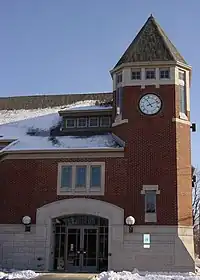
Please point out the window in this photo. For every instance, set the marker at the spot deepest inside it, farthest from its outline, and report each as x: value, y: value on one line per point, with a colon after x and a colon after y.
x: 81, y: 178
x: 150, y: 192
x: 66, y: 177
x: 105, y: 121
x: 95, y: 176
x: 150, y: 74
x: 135, y: 74
x: 150, y: 201
x: 165, y: 73
x: 119, y: 78
x: 70, y: 123
x: 181, y: 75
x: 119, y: 99
x: 182, y: 96
x: 182, y: 92
x: 94, y: 122
x: 82, y: 122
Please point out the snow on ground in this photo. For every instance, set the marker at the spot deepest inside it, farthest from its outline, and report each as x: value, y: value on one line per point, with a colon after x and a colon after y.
x: 17, y: 274
x: 135, y: 275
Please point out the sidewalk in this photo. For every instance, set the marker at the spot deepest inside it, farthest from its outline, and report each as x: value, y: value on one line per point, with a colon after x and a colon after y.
x: 66, y: 276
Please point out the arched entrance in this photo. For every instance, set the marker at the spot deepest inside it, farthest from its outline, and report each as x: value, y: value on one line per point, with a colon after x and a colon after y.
x: 47, y: 215
x: 81, y: 243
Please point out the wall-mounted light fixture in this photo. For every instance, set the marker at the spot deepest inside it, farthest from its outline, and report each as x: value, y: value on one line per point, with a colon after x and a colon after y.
x: 130, y: 221
x: 193, y: 127
x: 26, y: 220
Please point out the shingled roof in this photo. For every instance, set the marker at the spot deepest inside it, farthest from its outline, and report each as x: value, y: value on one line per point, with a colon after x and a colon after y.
x: 151, y: 44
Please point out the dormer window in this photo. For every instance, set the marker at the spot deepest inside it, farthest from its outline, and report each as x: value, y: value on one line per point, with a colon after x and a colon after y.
x: 105, y: 121
x: 70, y: 123
x: 135, y: 74
x: 82, y: 122
x: 93, y: 122
x: 150, y: 74
x: 164, y: 73
x: 119, y: 78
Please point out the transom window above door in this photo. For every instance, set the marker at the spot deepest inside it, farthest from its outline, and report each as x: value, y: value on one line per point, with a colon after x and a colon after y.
x: 81, y: 178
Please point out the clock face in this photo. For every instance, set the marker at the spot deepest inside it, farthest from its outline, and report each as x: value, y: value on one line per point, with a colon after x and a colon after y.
x: 150, y: 104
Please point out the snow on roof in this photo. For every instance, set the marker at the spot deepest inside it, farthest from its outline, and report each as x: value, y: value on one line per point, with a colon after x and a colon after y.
x: 63, y: 142
x: 14, y: 124
x: 86, y: 105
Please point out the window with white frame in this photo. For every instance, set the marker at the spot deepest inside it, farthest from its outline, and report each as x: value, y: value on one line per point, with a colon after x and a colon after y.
x: 150, y: 74
x: 119, y: 78
x: 82, y: 122
x: 105, y: 121
x: 135, y: 74
x: 93, y: 122
x: 150, y: 193
x: 182, y: 92
x: 164, y: 73
x: 80, y: 178
x: 70, y: 123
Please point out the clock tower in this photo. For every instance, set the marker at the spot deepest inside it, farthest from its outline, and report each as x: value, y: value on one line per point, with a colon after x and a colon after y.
x: 151, y: 85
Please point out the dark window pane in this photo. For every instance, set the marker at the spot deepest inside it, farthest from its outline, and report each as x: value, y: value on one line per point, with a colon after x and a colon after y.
x: 182, y: 97
x: 150, y: 74
x: 95, y: 176
x: 80, y: 176
x: 150, y: 201
x: 136, y: 75
x: 66, y: 177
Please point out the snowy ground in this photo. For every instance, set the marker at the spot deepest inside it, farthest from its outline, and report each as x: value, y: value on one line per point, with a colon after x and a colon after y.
x: 135, y: 275
x: 111, y: 275
x: 16, y: 274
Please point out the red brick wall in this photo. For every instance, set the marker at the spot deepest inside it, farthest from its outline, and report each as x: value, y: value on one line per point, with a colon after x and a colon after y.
x: 158, y: 152
x: 29, y: 184
x: 150, y: 158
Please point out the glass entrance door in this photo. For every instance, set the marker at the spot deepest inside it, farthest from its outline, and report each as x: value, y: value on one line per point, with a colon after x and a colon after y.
x: 82, y: 250
x: 90, y: 250
x: 73, y: 249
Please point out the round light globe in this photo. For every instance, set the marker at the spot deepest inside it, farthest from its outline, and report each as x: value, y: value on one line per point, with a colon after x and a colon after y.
x: 130, y: 221
x: 26, y: 220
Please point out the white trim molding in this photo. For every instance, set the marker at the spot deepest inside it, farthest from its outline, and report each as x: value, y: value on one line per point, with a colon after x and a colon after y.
x: 181, y: 121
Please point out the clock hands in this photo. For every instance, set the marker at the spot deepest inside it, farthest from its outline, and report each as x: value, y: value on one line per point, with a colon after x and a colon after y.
x: 150, y: 104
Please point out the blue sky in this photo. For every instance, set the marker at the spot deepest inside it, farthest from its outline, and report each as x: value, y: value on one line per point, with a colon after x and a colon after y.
x: 69, y: 46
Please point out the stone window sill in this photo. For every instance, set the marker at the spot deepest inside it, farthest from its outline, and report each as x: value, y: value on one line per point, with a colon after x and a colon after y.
x: 150, y: 217
x: 78, y: 192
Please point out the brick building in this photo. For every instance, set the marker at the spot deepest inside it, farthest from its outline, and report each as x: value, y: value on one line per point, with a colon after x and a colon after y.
x: 71, y: 175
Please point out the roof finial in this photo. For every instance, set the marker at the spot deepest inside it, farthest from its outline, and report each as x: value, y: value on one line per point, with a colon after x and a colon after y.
x: 151, y: 15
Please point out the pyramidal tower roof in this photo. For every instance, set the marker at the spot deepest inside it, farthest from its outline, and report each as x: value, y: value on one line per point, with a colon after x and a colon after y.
x: 151, y: 44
